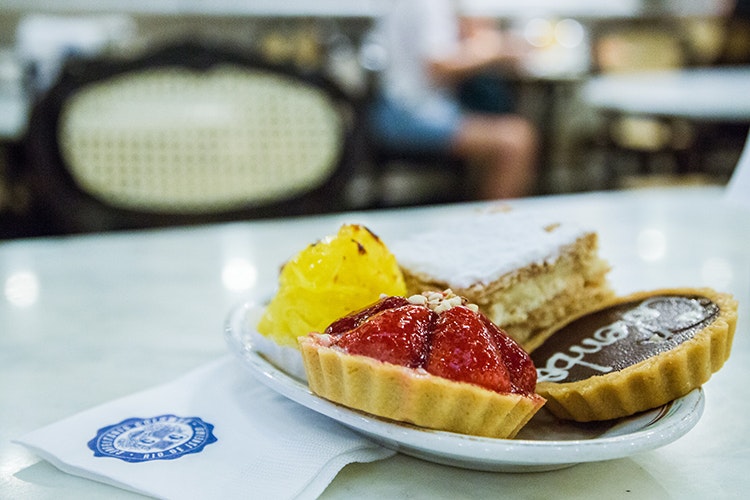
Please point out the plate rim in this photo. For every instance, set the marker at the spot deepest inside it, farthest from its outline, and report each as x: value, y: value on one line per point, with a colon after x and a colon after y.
x: 669, y: 423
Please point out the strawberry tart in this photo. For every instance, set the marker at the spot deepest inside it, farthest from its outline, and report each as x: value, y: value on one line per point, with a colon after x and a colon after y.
x: 432, y: 360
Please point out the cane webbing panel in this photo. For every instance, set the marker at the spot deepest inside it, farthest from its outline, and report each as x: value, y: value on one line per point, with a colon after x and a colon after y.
x: 173, y: 140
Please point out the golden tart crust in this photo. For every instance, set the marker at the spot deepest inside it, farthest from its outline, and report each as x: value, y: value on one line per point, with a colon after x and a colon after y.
x: 649, y: 383
x: 413, y: 395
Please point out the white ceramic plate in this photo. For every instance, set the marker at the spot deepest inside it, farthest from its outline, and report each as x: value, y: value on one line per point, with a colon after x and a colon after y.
x: 546, y: 443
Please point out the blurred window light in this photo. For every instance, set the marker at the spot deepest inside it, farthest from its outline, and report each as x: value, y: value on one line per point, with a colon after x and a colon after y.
x: 569, y: 33
x: 651, y: 244
x: 22, y: 289
x: 539, y: 32
x: 373, y: 56
x: 238, y: 275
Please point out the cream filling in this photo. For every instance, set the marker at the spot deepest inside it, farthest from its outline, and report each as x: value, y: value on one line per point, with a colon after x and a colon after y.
x: 513, y: 303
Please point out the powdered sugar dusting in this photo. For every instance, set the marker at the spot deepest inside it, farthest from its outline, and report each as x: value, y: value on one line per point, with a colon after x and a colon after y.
x: 484, y: 247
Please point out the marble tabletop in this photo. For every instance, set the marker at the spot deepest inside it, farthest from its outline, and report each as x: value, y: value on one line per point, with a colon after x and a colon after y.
x: 87, y: 319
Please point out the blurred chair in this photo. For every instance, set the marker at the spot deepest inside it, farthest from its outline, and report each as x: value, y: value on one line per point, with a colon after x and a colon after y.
x: 419, y: 177
x: 408, y: 177
x: 735, y: 49
x: 191, y: 133
x: 631, y: 49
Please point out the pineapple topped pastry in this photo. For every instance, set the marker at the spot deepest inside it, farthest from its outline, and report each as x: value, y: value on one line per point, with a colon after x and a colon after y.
x: 327, y: 280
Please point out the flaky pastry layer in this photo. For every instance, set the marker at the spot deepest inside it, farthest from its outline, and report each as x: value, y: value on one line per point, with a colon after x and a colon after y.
x: 528, y: 301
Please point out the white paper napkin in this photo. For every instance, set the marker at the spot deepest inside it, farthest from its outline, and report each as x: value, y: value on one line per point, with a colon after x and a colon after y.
x: 265, y: 445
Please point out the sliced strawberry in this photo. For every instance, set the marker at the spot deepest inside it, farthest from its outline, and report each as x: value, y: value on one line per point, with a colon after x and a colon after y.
x: 394, y: 335
x: 463, y: 349
x: 520, y: 366
x: 356, y: 318
x: 457, y: 343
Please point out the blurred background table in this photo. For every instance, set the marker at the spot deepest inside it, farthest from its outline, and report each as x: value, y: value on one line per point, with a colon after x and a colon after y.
x: 687, y: 114
x: 87, y: 319
x: 703, y: 94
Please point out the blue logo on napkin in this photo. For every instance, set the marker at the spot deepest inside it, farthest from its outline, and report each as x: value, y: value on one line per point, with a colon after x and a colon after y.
x: 165, y: 437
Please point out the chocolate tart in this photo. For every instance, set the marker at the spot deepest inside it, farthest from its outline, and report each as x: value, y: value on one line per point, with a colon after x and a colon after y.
x: 635, y: 353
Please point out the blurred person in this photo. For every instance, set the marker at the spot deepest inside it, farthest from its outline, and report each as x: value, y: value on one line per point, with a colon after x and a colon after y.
x: 435, y: 58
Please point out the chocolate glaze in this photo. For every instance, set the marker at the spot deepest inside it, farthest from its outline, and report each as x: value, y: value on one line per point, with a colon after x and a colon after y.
x: 621, y: 335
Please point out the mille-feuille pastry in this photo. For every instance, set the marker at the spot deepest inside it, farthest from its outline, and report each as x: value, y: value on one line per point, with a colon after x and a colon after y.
x: 525, y: 271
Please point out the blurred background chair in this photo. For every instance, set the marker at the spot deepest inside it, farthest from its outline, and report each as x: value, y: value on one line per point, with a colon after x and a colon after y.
x: 407, y: 177
x: 190, y: 133
x: 645, y: 145
x: 418, y: 177
x: 640, y: 139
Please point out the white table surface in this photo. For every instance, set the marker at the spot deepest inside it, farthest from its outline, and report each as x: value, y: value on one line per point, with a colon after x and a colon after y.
x: 86, y: 319
x: 711, y: 94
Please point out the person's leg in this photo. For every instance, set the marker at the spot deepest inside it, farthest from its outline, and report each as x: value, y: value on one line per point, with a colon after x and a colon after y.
x: 395, y: 127
x: 500, y: 148
x: 504, y: 148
